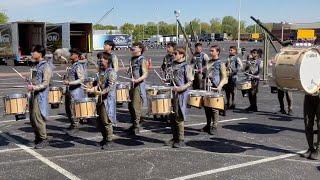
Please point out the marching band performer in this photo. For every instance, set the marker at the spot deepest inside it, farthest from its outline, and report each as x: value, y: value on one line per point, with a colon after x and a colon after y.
x: 74, y: 91
x: 233, y: 66
x: 168, y: 59
x: 182, y: 78
x: 138, y: 73
x: 252, y: 70
x: 106, y: 105
x: 108, y: 48
x: 217, y: 78
x: 38, y: 105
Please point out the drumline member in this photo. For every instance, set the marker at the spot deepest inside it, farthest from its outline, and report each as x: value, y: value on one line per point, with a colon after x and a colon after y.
x: 38, y: 104
x: 217, y: 77
x: 252, y: 68
x: 106, y: 105
x: 233, y: 66
x: 168, y: 59
x: 311, y: 114
x: 74, y: 91
x: 199, y: 60
x: 138, y: 72
x: 108, y: 48
x: 281, y: 94
x: 182, y: 77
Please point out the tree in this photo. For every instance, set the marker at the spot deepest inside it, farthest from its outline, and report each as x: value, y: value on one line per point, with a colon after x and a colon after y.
x: 230, y: 26
x: 3, y: 18
x: 205, y: 28
x: 104, y: 27
x: 127, y: 28
x: 215, y: 25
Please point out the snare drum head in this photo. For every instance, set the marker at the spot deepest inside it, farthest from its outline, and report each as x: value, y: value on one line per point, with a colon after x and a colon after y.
x: 310, y: 71
x: 16, y: 96
x: 213, y: 95
x: 123, y: 85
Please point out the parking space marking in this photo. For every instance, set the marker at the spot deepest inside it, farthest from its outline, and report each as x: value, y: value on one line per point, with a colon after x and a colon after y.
x: 41, y: 158
x: 237, y: 166
x: 9, y: 150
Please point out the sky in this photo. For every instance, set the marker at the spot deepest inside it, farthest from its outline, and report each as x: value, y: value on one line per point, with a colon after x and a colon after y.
x: 143, y: 11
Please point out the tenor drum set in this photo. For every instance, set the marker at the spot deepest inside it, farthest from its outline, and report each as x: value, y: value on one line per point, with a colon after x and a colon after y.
x: 210, y: 99
x: 159, y: 100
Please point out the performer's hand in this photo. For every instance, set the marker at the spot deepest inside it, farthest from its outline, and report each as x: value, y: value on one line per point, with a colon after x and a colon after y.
x: 89, y: 90
x: 30, y: 87
x: 65, y: 82
x: 134, y: 80
x: 176, y: 89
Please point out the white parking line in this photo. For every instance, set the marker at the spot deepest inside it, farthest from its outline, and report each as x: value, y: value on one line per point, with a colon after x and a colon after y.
x: 46, y: 161
x: 27, y: 119
x: 237, y: 166
x: 9, y: 150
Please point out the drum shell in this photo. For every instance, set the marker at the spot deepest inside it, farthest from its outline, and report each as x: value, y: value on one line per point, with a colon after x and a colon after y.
x: 55, y: 95
x: 15, y: 104
x: 161, y: 104
x: 195, y: 98
x: 122, y: 92
x: 84, y: 108
x: 293, y: 67
x: 214, y: 100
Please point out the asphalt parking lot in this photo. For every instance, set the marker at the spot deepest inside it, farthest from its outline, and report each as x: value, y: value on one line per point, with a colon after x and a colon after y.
x: 260, y: 145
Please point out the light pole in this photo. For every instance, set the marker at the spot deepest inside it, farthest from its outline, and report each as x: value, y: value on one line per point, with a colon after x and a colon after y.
x: 177, y: 13
x: 239, y: 26
x: 282, y: 29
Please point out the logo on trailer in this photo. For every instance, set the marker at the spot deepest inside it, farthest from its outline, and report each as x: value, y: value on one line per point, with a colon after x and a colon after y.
x: 5, y: 38
x: 120, y: 40
x: 53, y: 37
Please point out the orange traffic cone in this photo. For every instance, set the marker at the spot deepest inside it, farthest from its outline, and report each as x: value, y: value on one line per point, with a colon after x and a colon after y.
x: 149, y: 63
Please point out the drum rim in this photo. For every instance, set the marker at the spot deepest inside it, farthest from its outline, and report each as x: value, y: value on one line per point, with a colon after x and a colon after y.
x: 86, y: 99
x: 55, y: 88
x: 214, y: 95
x: 161, y: 96
x: 123, y: 85
x: 15, y: 96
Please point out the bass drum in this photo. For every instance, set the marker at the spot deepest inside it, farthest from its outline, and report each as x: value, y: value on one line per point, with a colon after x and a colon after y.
x: 298, y: 69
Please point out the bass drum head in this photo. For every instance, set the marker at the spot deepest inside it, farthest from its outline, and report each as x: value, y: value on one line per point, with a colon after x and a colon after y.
x: 310, y: 71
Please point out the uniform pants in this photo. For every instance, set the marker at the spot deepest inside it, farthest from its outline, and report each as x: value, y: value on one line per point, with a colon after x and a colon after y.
x: 311, y: 114
x: 135, y: 106
x: 212, y: 116
x: 104, y: 123
x: 288, y: 97
x: 68, y: 107
x: 37, y: 120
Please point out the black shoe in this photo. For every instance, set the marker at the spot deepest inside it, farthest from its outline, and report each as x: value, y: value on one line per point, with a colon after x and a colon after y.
x: 205, y: 129
x: 282, y: 111
x: 290, y: 113
x: 213, y: 131
x: 179, y: 144
x: 233, y: 106
x: 314, y: 155
x: 308, y: 153
x: 42, y: 144
x: 222, y: 113
x: 227, y: 106
x: 169, y: 143
x: 248, y: 108
x: 254, y: 109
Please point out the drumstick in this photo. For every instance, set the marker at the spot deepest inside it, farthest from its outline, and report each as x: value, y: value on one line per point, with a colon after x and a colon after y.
x: 59, y: 74
x: 64, y: 59
x: 158, y: 75
x: 57, y: 81
x: 122, y: 63
x: 18, y: 73
x: 125, y: 78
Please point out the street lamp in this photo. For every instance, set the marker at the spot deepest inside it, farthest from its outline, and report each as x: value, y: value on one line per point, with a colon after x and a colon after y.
x: 282, y: 30
x: 239, y: 26
x: 177, y: 14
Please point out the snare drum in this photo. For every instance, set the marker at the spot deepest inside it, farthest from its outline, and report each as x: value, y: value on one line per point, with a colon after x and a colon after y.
x: 213, y: 100
x: 156, y: 90
x: 55, y: 95
x: 15, y: 104
x: 161, y: 104
x: 195, y: 98
x: 246, y: 85
x: 123, y: 92
x: 84, y: 108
